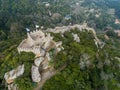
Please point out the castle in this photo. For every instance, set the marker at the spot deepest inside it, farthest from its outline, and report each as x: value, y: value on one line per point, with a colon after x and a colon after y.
x: 36, y: 42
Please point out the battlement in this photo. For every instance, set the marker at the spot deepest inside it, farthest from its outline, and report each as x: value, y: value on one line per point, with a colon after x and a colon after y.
x: 34, y: 41
x: 68, y: 28
x: 81, y: 28
x: 37, y: 38
x: 34, y: 50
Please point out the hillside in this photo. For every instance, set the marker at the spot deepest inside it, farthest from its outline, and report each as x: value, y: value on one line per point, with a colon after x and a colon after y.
x: 59, y: 44
x: 90, y: 65
x: 87, y: 68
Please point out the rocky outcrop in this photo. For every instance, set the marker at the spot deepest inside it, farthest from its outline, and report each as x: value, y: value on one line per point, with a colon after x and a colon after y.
x: 76, y: 37
x: 13, y: 74
x: 58, y: 46
x: 12, y: 86
x: 36, y: 77
x: 38, y: 61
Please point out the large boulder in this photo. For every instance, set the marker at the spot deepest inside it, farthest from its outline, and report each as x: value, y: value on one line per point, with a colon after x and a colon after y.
x: 36, y: 77
x: 13, y: 74
x: 38, y: 61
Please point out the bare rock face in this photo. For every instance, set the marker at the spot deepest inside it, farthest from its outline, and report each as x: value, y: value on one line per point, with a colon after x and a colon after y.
x: 38, y: 61
x: 48, y: 56
x: 58, y: 46
x: 12, y: 87
x: 96, y: 43
x: 13, y: 74
x: 36, y: 77
x: 45, y: 64
x: 42, y: 52
x: 76, y: 37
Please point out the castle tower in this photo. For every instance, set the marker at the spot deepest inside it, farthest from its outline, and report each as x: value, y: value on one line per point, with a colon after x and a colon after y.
x: 30, y: 40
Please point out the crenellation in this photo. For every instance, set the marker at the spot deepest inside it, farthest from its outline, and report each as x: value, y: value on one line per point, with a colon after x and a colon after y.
x: 31, y: 32
x: 68, y: 28
x: 45, y: 38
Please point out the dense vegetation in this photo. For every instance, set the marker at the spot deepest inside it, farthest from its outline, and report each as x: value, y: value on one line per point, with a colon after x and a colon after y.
x: 115, y: 4
x: 87, y: 68
x: 10, y: 59
x: 16, y: 15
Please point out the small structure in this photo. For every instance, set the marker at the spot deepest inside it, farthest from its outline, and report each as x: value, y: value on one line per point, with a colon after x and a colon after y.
x: 67, y: 17
x: 47, y: 5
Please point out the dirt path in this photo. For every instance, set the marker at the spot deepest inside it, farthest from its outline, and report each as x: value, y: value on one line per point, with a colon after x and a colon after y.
x: 48, y: 75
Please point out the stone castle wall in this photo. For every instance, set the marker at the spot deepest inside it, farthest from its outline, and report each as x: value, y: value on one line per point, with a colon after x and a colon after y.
x: 34, y: 50
x: 56, y: 30
x: 68, y: 28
